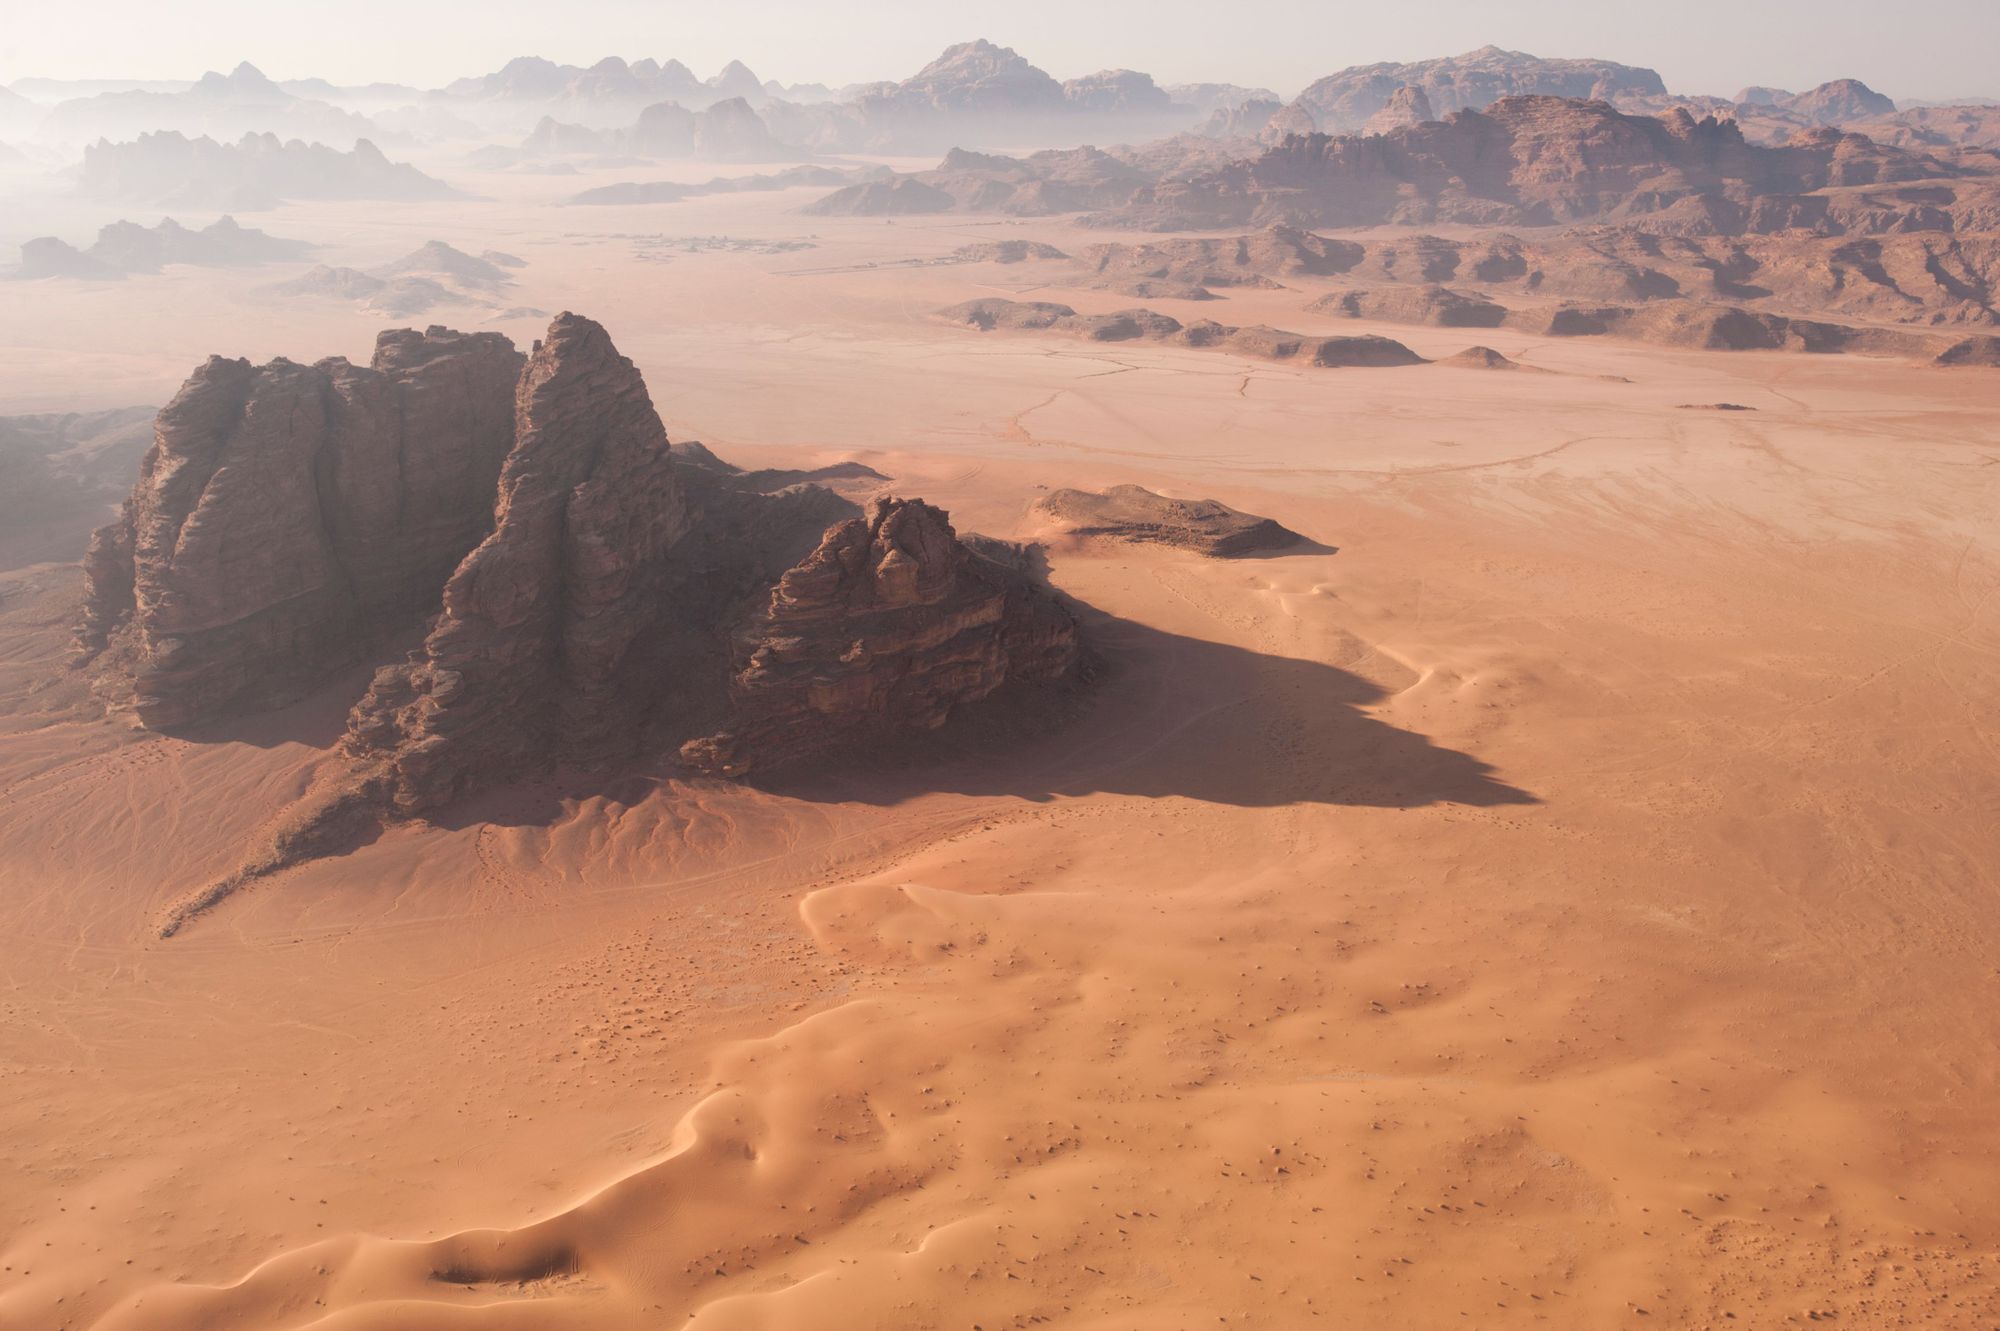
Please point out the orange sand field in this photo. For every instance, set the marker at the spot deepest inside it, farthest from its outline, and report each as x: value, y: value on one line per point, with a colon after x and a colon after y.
x: 1566, y: 896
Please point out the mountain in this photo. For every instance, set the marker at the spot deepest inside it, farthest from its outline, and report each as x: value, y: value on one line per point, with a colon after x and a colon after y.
x: 1344, y: 101
x: 734, y: 80
x: 1838, y: 103
x: 1527, y: 161
x: 978, y: 94
x: 727, y: 131
x: 977, y: 77
x: 1120, y: 91
x: 1052, y: 181
x: 223, y: 106
x: 591, y: 597
x: 606, y: 95
x: 1204, y: 99
x: 1408, y: 105
x: 169, y: 169
x: 126, y: 247
x: 287, y: 515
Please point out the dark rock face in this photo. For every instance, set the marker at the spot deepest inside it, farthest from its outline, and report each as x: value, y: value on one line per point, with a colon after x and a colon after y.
x: 1544, y: 161
x: 542, y: 641
x: 605, y: 596
x: 287, y: 515
x: 888, y: 625
x: 592, y: 626
x: 1134, y: 514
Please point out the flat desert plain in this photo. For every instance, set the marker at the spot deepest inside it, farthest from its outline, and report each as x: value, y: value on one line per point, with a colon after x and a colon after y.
x: 1562, y: 893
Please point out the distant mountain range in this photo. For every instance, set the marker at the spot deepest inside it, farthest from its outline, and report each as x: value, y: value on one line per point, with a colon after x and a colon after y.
x: 974, y: 95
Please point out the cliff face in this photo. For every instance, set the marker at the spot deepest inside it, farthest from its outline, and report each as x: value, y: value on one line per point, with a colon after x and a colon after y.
x: 1540, y: 161
x: 547, y: 626
x: 585, y: 629
x: 602, y: 600
x: 287, y: 515
x: 888, y: 625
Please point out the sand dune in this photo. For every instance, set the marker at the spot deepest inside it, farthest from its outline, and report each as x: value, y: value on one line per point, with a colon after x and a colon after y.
x: 1562, y: 896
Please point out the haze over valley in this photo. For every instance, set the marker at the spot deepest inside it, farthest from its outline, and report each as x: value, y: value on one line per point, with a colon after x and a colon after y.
x: 1015, y: 693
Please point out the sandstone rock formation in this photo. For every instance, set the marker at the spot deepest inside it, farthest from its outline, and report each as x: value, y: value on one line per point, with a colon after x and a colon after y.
x: 168, y: 169
x: 888, y: 625
x: 605, y: 596
x: 1838, y: 103
x: 1244, y: 120
x: 728, y: 131
x: 224, y: 106
x: 1408, y: 105
x: 1134, y: 514
x: 289, y: 515
x: 591, y: 626
x: 1437, y: 305
x: 1484, y: 358
x: 124, y: 248
x: 1548, y: 160
x: 668, y: 191
x: 435, y: 274
x: 608, y: 93
x: 1344, y: 101
x: 1982, y: 351
x: 1053, y: 181
x: 993, y: 312
x: 548, y: 631
x: 1190, y: 266
x: 1123, y: 91
x: 1523, y: 161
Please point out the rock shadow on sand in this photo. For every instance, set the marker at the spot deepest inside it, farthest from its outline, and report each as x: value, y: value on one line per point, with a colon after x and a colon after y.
x: 1170, y: 715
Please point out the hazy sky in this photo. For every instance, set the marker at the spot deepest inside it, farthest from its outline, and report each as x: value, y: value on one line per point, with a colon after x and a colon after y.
x: 1937, y: 48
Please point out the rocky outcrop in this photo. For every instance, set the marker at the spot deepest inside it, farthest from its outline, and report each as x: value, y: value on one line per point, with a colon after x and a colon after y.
x: 1408, y: 105
x: 1550, y: 160
x: 1124, y: 91
x: 549, y: 628
x: 1054, y: 181
x: 1135, y: 515
x: 289, y: 515
x: 907, y: 197
x: 124, y: 248
x: 1840, y: 102
x: 1256, y: 260
x: 1244, y: 120
x: 601, y: 589
x: 591, y: 627
x: 992, y: 312
x: 1344, y: 101
x: 888, y: 625
x: 168, y: 169
x: 1437, y: 305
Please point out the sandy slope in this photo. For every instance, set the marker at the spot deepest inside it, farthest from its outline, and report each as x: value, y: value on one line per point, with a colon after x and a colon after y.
x: 1569, y: 902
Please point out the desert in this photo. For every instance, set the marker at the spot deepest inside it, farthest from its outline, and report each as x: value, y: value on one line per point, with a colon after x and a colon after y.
x: 932, y: 699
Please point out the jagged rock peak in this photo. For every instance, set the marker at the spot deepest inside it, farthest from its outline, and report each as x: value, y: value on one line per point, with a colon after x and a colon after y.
x: 287, y: 516
x: 534, y: 649
x: 890, y: 624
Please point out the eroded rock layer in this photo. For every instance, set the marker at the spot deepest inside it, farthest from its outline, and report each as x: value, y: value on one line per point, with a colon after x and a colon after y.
x: 288, y: 515
x: 888, y: 625
x: 584, y: 629
x: 1135, y: 514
